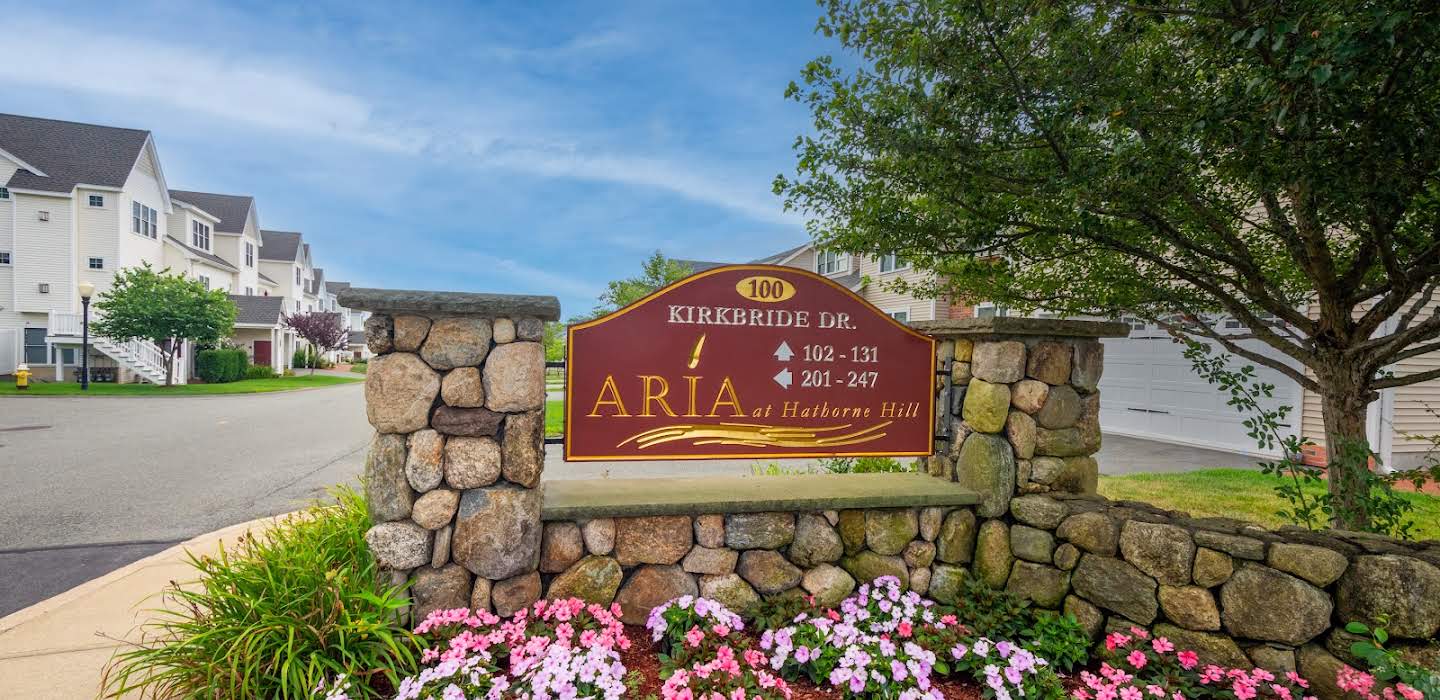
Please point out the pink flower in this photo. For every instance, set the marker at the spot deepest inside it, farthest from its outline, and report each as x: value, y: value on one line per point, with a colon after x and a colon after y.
x: 1409, y: 693
x: 1188, y: 659
x: 905, y: 629
x: 1116, y: 640
x: 1130, y: 692
x: 694, y: 636
x: 1295, y: 678
x: 1162, y: 645
x: 721, y: 630
x: 1137, y: 659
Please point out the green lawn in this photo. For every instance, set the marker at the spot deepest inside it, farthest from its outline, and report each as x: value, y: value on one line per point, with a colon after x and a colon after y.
x: 554, y: 418
x: 244, y: 386
x: 1236, y: 493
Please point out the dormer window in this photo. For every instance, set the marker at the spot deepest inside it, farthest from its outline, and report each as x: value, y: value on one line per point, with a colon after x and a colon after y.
x: 97, y: 200
x: 830, y: 263
x: 199, y: 235
x: 4, y: 193
x: 249, y: 254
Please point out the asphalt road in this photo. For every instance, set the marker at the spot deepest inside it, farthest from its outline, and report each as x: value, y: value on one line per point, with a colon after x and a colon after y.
x: 90, y: 484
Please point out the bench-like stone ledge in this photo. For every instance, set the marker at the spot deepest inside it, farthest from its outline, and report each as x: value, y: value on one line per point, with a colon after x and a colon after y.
x: 483, y: 305
x: 582, y: 499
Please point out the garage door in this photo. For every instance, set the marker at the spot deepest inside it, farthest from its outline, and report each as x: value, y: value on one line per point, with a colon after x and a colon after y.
x: 1149, y: 390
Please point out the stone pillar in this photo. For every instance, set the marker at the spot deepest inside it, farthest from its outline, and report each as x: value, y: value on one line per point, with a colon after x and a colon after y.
x: 456, y: 393
x: 1019, y: 411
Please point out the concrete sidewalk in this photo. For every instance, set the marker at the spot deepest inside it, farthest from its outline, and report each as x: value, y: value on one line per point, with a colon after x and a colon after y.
x: 58, y: 648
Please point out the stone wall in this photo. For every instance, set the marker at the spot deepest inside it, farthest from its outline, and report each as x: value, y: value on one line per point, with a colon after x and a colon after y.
x: 456, y: 394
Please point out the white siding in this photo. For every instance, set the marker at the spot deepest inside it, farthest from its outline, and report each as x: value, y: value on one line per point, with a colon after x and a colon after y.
x: 877, y: 291
x: 142, y: 186
x: 44, y: 253
x: 1417, y: 405
x: 7, y: 243
x: 96, y: 232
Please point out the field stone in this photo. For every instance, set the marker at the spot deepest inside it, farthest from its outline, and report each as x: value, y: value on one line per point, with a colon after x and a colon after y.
x: 1079, y: 474
x: 560, y: 546
x: 471, y: 462
x: 523, y: 446
x: 1317, y: 565
x: 1045, y: 470
x: 759, y: 530
x: 1277, y: 660
x: 1251, y: 601
x: 1020, y: 431
x: 729, y: 590
x: 462, y: 387
x: 946, y: 582
x: 986, y: 406
x: 497, y: 531
x: 1092, y: 532
x: 530, y: 329
x: 599, y: 535
x: 659, y: 539
x: 387, y: 489
x: 888, y: 531
x: 1116, y: 586
x: 1032, y: 544
x: 956, y: 541
x: 768, y: 571
x: 1067, y: 556
x: 480, y: 594
x: 399, y: 545
x: 510, y: 595
x: 1090, y: 618
x: 594, y: 579
x: 828, y: 583
x: 1405, y: 589
x: 1211, y: 647
x: 987, y: 466
x: 960, y: 373
x: 434, y: 509
x: 816, y: 542
x: 410, y: 332
x: 1064, y: 442
x: 651, y: 586
x: 710, y: 531
x: 998, y: 361
x: 440, y: 551
x: 1061, y: 409
x: 445, y: 588
x: 425, y: 460
x: 919, y: 554
x: 868, y: 566
x: 1191, y: 607
x: 1045, y: 585
x: 456, y: 342
x: 992, y: 554
x: 1087, y: 365
x: 931, y: 518
x: 1212, y: 568
x: 467, y: 422
x: 964, y: 349
x: 380, y: 333
x: 831, y: 516
x: 399, y: 390
x: 852, y: 530
x: 1320, y: 667
x: 1038, y: 511
x: 715, y: 562
x: 1029, y: 395
x: 514, y: 378
x: 502, y: 330
x: 1049, y: 362
x: 1234, y: 545
x: 1165, y: 552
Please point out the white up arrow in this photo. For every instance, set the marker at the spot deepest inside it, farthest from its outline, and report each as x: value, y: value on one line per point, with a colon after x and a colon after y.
x: 783, y: 378
x: 783, y: 353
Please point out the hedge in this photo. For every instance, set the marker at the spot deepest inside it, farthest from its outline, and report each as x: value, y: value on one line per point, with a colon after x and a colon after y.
x: 222, y: 365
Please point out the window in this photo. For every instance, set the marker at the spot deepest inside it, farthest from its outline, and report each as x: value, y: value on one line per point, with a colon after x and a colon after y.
x: 829, y: 263
x: 97, y: 200
x: 901, y: 316
x: 199, y: 235
x: 4, y: 257
x: 97, y: 263
x: 249, y: 291
x: 4, y: 193
x: 249, y: 254
x: 891, y: 263
x: 297, y: 275
x: 144, y: 220
x: 990, y: 310
x: 36, y: 352
x: 66, y: 355
x: 205, y: 280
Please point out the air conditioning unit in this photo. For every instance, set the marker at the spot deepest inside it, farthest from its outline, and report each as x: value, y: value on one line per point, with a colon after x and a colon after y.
x: 44, y: 215
x: 44, y: 287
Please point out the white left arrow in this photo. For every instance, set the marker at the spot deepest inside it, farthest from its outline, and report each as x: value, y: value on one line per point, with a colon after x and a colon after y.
x: 784, y: 353
x: 783, y: 378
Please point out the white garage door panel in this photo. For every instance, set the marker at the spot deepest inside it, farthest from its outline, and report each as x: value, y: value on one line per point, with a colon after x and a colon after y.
x: 1149, y: 390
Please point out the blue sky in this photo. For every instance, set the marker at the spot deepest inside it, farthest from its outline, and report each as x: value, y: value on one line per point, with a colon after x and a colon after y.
x: 529, y: 147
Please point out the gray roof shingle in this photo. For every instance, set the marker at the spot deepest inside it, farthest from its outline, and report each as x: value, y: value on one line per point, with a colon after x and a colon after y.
x: 208, y: 257
x: 232, y: 209
x: 69, y: 153
x: 357, y: 337
x: 777, y: 257
x: 279, y: 245
x: 264, y: 311
x: 264, y: 278
x: 701, y: 265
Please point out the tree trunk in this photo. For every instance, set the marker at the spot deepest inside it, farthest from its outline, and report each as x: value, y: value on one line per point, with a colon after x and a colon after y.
x: 169, y: 365
x: 1346, y: 398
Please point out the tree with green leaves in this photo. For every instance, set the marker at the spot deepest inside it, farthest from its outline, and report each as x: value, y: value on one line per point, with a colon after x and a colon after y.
x: 657, y: 271
x: 1189, y: 162
x: 164, y: 309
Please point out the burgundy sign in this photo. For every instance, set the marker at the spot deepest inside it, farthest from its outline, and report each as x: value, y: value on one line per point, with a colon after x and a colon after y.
x: 748, y: 361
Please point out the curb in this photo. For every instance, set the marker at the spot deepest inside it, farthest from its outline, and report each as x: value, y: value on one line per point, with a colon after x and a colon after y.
x: 41, y: 397
x: 49, y: 605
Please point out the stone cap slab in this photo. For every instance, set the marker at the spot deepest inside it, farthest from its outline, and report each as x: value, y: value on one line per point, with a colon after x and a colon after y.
x: 580, y: 499
x: 393, y: 301
x: 1014, y: 325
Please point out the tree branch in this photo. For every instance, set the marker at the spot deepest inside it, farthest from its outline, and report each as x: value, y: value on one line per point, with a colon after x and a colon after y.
x: 1198, y: 328
x: 1406, y: 380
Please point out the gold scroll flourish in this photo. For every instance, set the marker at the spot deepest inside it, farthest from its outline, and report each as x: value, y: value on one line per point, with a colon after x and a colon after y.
x: 756, y: 435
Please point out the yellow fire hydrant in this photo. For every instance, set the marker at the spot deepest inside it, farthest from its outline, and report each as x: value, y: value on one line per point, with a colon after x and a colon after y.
x: 22, y: 377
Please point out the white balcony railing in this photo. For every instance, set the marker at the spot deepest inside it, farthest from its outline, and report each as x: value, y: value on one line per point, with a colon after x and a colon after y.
x: 65, y: 324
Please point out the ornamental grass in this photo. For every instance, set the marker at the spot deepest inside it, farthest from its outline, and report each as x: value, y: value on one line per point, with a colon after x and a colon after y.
x: 274, y: 616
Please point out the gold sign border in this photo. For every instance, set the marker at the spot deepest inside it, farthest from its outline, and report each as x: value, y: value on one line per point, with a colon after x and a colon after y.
x: 570, y: 368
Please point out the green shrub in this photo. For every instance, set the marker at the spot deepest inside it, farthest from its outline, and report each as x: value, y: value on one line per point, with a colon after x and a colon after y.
x: 864, y: 465
x: 260, y: 372
x: 1000, y: 614
x: 1387, y: 665
x: 360, y: 367
x: 274, y: 615
x: 221, y: 365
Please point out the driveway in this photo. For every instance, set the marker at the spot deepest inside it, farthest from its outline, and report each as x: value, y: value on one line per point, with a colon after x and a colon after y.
x: 1120, y: 454
x: 90, y: 484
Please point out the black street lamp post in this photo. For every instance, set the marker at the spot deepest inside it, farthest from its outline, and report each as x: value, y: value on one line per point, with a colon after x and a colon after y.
x: 87, y: 290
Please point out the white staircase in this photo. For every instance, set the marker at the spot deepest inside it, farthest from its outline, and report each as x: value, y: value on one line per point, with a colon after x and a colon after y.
x: 142, y: 357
